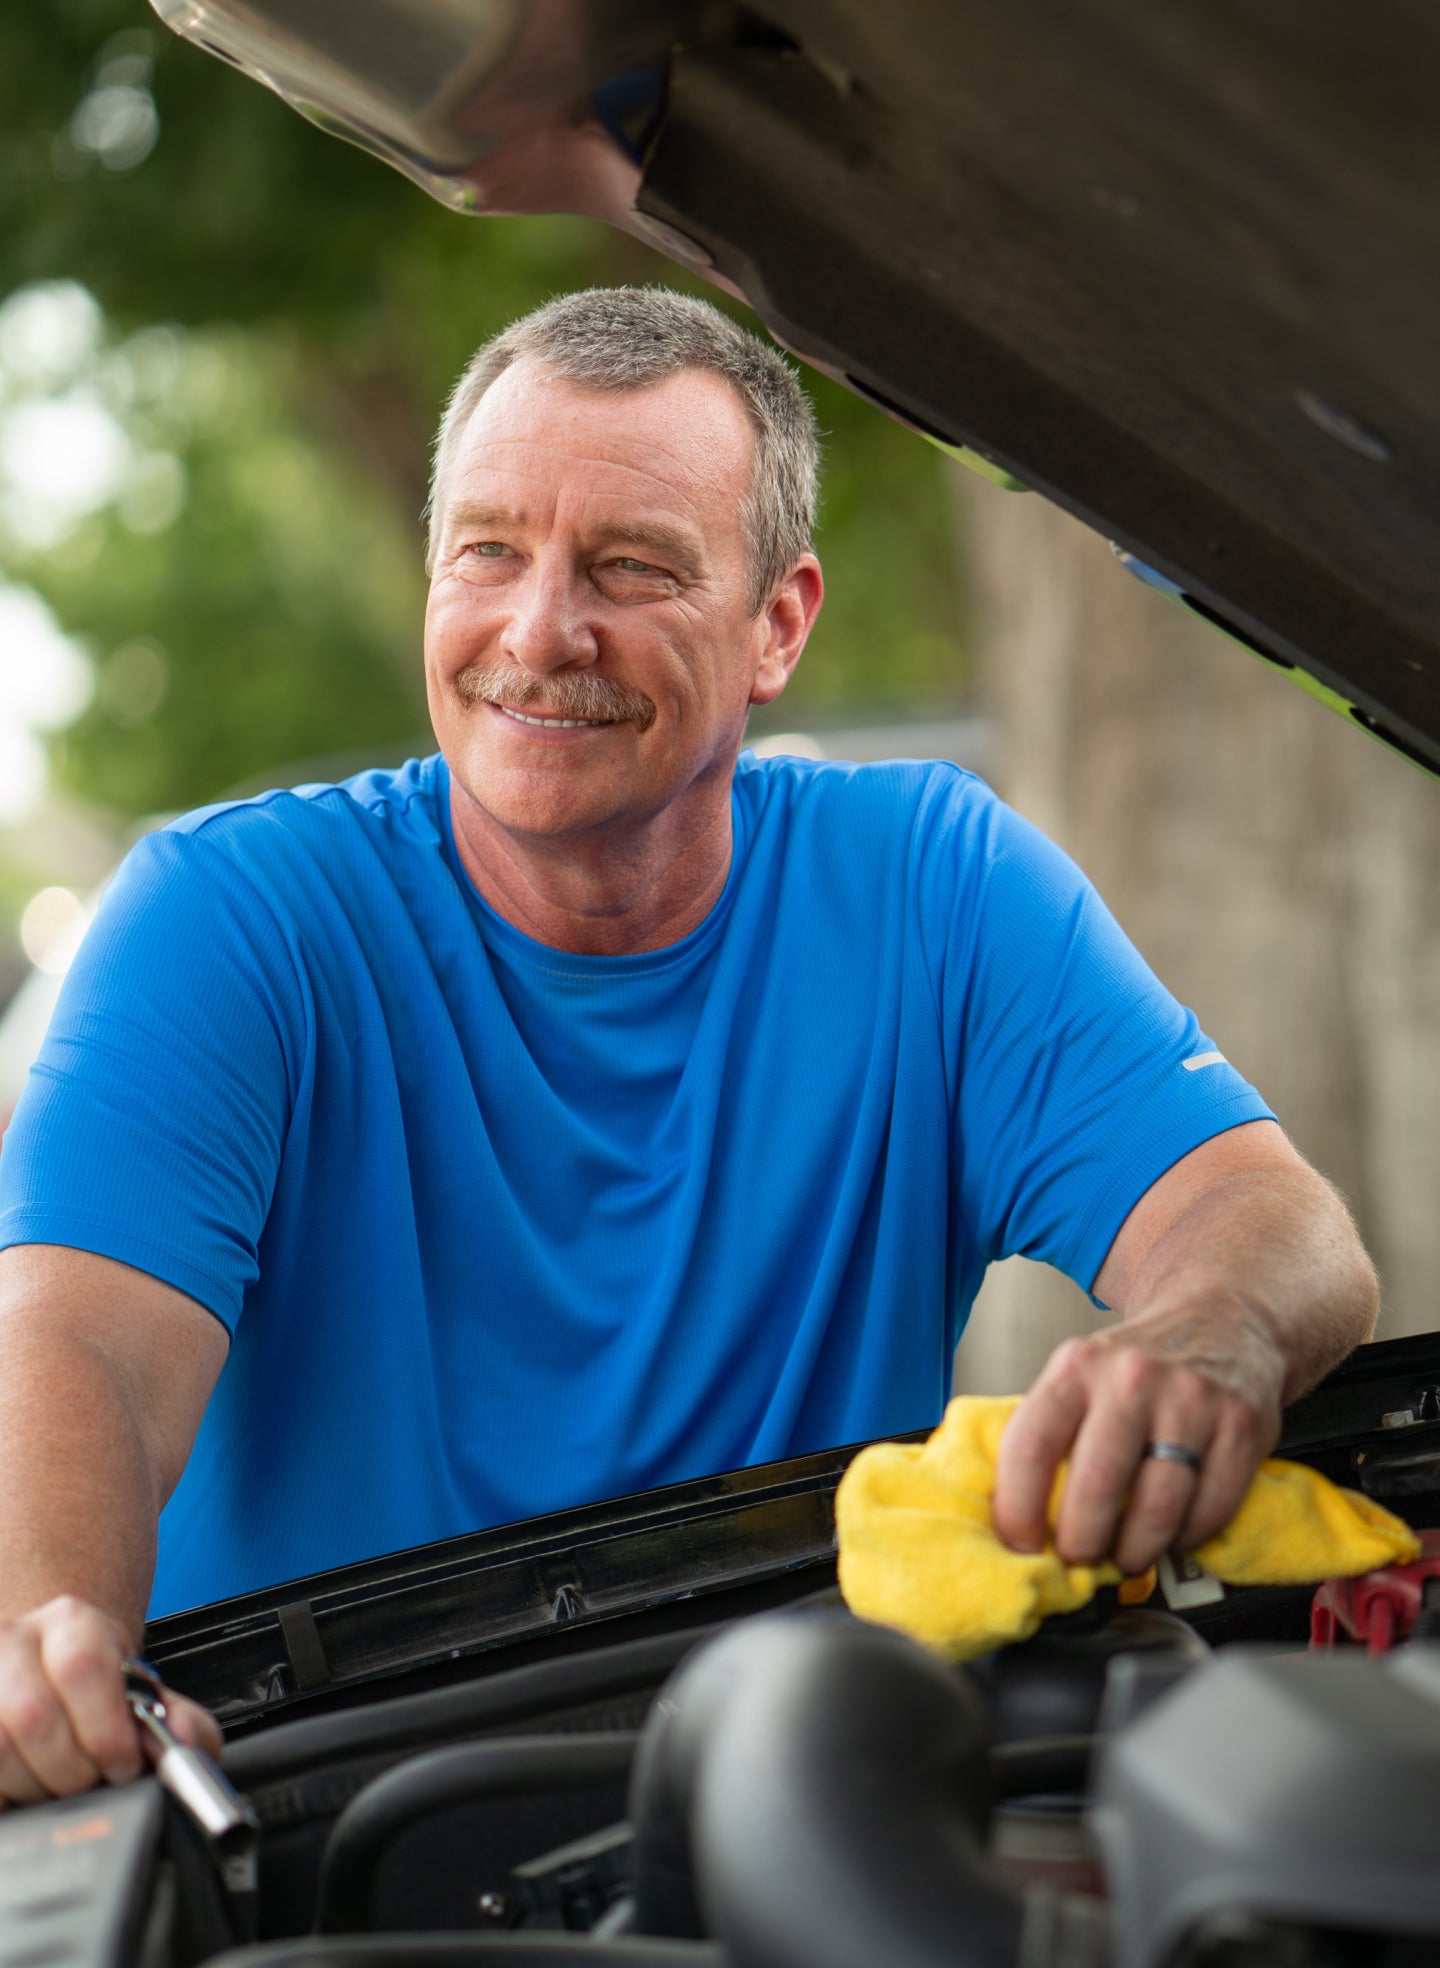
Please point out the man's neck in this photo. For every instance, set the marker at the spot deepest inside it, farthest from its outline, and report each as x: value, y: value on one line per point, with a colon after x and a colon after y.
x: 610, y: 892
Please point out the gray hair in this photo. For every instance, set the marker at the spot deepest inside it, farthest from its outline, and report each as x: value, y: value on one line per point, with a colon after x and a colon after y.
x: 622, y: 338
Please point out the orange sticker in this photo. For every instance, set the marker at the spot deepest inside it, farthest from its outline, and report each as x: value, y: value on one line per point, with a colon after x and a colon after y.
x: 82, y: 1833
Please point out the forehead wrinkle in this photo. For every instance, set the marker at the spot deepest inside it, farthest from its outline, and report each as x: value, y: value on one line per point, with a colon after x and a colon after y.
x: 530, y: 405
x: 683, y: 479
x: 655, y: 526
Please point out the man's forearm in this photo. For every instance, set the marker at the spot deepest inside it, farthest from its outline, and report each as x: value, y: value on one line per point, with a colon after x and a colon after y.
x: 1267, y: 1258
x: 81, y: 1492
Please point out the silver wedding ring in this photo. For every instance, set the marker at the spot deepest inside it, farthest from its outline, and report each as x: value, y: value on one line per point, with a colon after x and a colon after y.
x: 1174, y: 1452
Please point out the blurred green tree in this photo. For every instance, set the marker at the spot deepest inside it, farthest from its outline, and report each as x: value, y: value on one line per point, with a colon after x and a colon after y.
x: 282, y: 318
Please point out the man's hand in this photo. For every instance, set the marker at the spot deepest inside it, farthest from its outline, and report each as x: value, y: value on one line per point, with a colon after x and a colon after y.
x: 1208, y: 1380
x: 1241, y: 1282
x: 65, y: 1725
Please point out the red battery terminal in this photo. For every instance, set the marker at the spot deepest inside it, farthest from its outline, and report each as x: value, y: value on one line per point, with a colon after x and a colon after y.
x: 1380, y: 1609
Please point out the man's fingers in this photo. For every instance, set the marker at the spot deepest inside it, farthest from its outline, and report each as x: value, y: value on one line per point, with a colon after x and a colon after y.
x: 81, y: 1654
x: 18, y: 1784
x: 1160, y: 1500
x: 193, y: 1724
x: 1163, y: 1490
x: 1235, y: 1452
x: 65, y: 1725
x: 1036, y: 1441
x: 1104, y: 1462
x: 40, y: 1756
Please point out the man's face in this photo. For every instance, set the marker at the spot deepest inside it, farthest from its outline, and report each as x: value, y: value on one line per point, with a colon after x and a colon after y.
x: 590, y: 648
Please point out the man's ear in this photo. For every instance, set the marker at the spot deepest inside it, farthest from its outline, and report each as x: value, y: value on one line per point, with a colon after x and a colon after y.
x: 787, y: 617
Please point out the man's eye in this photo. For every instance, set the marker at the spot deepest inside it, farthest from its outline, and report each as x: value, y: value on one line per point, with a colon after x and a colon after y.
x: 628, y: 565
x: 489, y: 549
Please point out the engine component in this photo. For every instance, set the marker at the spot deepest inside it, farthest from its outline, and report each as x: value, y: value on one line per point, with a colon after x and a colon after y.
x: 1054, y: 1685
x: 578, y: 1883
x: 815, y: 1791
x: 110, y: 1878
x: 438, y: 1781
x: 1290, y: 1789
x: 75, y: 1876
x: 1381, y: 1608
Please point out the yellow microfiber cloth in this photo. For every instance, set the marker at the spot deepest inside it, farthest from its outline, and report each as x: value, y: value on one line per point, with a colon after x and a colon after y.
x: 918, y: 1550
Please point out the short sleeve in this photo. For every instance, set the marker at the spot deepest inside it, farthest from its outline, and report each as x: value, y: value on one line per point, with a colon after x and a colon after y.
x: 1077, y: 1079
x: 152, y: 1123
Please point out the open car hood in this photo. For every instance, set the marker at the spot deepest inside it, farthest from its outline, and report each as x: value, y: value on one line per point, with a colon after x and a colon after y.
x: 1176, y: 267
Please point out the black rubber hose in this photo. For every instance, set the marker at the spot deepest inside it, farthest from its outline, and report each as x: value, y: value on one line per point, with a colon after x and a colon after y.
x: 467, y: 1951
x: 688, y: 1711
x: 831, y: 1782
x: 466, y: 1773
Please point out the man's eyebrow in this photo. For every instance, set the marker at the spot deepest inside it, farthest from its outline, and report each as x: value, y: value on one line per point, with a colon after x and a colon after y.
x: 468, y: 514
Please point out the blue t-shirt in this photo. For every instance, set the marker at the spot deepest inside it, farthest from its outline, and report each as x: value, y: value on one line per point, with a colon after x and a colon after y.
x: 498, y: 1229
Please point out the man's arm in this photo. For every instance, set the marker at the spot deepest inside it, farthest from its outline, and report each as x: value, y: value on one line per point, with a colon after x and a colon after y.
x: 104, y: 1377
x: 1240, y: 1281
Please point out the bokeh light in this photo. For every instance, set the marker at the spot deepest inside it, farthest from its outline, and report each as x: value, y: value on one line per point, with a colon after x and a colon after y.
x: 132, y: 682
x: 51, y: 929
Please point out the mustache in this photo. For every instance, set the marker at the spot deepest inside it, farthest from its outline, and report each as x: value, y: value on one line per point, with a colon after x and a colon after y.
x: 566, y: 693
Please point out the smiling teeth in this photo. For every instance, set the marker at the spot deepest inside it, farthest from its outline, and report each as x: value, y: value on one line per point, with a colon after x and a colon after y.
x: 565, y: 724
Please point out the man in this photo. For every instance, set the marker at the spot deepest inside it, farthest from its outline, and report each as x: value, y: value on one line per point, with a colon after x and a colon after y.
x: 579, y: 1110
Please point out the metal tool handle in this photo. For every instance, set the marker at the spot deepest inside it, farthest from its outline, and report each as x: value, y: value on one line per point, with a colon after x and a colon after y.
x: 192, y: 1778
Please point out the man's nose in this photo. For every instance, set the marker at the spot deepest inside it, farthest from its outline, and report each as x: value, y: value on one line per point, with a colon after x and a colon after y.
x: 548, y: 627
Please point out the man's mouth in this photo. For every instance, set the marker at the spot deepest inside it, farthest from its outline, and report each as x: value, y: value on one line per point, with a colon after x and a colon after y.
x: 553, y: 723
x: 568, y: 700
